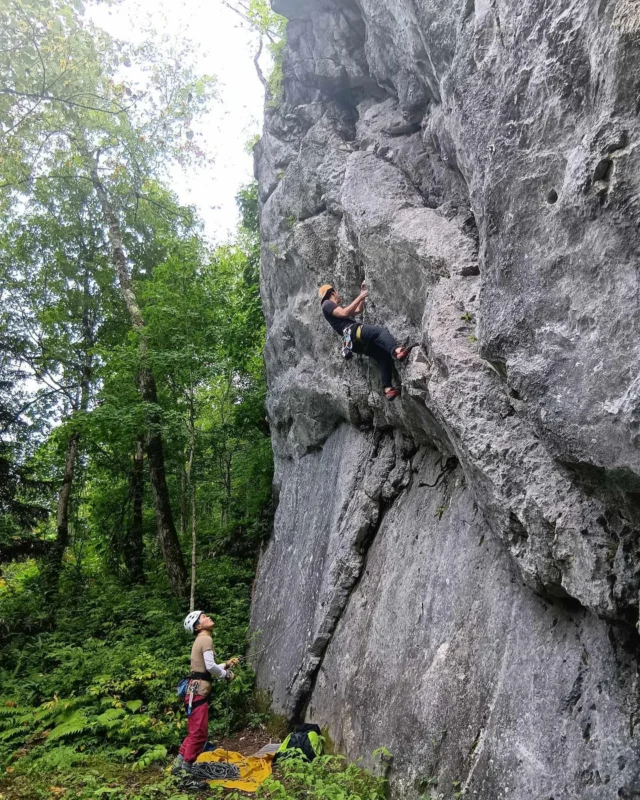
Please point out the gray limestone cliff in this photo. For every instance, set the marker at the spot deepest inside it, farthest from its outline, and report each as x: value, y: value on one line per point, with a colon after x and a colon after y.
x: 456, y: 575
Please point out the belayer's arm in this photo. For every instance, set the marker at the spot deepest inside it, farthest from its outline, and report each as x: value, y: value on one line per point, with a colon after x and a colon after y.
x: 215, y: 669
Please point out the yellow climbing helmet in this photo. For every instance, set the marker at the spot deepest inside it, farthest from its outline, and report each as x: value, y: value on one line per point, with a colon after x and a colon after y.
x: 322, y: 291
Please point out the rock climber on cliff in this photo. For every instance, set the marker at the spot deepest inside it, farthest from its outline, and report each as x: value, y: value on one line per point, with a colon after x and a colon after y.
x: 370, y: 340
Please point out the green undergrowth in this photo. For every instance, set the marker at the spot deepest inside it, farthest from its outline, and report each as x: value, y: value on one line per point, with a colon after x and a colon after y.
x: 96, y: 683
x: 90, y: 776
x: 87, y: 702
x: 329, y: 777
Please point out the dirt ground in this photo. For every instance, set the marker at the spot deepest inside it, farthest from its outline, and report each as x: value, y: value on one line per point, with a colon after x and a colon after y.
x: 247, y: 742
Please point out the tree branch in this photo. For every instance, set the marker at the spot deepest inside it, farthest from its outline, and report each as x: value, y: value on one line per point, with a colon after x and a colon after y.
x: 24, y: 548
x: 44, y: 177
x: 26, y: 407
x: 245, y: 16
x: 184, y: 217
x: 261, y: 78
x: 40, y: 96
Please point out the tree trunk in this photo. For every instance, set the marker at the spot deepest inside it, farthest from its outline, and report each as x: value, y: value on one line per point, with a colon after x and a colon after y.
x: 167, y: 534
x: 184, y: 501
x: 192, y: 492
x: 64, y: 497
x: 52, y: 570
x: 194, y: 552
x: 169, y: 543
x: 134, y: 544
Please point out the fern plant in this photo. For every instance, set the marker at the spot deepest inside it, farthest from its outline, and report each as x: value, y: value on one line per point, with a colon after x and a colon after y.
x: 326, y: 778
x: 156, y: 753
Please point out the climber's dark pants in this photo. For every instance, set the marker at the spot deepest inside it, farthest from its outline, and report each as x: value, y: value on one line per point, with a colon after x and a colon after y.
x: 377, y: 343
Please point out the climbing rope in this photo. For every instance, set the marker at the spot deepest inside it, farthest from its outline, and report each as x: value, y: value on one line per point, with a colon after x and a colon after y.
x: 299, y: 614
x: 364, y: 320
x: 273, y: 641
x: 228, y: 721
x: 214, y: 771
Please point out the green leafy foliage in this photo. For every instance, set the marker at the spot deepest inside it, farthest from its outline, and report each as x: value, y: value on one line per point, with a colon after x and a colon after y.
x: 91, y: 643
x: 276, y: 77
x: 270, y: 27
x: 104, y: 680
x: 90, y: 679
x: 71, y: 91
x: 156, y: 753
x: 326, y: 778
x: 77, y: 132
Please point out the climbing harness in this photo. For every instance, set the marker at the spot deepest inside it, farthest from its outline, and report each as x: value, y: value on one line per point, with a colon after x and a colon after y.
x: 183, y: 688
x: 191, y: 694
x: 187, y: 689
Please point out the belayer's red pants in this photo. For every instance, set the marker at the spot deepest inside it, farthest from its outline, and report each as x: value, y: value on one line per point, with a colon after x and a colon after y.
x: 198, y: 730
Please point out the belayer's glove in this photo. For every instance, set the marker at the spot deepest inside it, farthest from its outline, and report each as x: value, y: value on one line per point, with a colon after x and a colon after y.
x: 229, y: 676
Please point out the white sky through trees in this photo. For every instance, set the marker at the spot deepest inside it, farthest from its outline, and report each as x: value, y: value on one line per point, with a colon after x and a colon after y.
x: 222, y: 47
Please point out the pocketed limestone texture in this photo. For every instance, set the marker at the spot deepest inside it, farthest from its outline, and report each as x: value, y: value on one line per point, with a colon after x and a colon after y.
x: 456, y: 575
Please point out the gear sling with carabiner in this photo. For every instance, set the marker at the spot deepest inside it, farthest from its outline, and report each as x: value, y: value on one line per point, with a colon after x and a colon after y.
x: 348, y: 336
x: 187, y: 690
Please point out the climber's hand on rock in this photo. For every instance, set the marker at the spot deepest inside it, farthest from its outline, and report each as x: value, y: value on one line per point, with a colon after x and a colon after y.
x: 364, y: 294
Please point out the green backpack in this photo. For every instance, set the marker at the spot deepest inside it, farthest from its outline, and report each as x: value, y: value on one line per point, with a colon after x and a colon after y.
x: 306, y: 738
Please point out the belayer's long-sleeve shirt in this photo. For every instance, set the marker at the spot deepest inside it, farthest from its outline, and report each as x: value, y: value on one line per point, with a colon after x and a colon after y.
x: 203, y: 660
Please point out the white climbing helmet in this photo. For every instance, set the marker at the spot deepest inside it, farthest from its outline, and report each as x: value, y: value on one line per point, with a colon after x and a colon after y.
x: 191, y: 619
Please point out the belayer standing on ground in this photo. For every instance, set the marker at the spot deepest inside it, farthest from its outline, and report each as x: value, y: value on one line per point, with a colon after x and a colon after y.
x: 203, y: 667
x: 370, y: 340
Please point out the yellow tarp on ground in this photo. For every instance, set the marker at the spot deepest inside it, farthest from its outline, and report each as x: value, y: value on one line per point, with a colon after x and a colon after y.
x: 253, y: 770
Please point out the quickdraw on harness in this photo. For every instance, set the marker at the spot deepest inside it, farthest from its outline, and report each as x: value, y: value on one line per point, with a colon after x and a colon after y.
x: 348, y: 336
x: 187, y: 688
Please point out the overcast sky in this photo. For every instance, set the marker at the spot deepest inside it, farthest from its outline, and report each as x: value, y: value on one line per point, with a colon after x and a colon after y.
x: 225, y: 49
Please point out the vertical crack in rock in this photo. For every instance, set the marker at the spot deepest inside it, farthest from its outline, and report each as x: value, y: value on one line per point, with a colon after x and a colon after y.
x: 329, y: 569
x: 346, y: 575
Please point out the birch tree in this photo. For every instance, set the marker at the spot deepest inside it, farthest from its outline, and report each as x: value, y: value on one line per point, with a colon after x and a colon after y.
x: 80, y: 107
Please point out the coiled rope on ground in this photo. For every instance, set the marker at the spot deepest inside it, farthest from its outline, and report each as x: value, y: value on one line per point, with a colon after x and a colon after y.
x: 214, y: 771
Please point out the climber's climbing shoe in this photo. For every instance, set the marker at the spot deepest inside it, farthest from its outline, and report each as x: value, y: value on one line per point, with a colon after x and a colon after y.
x: 403, y: 352
x: 391, y: 393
